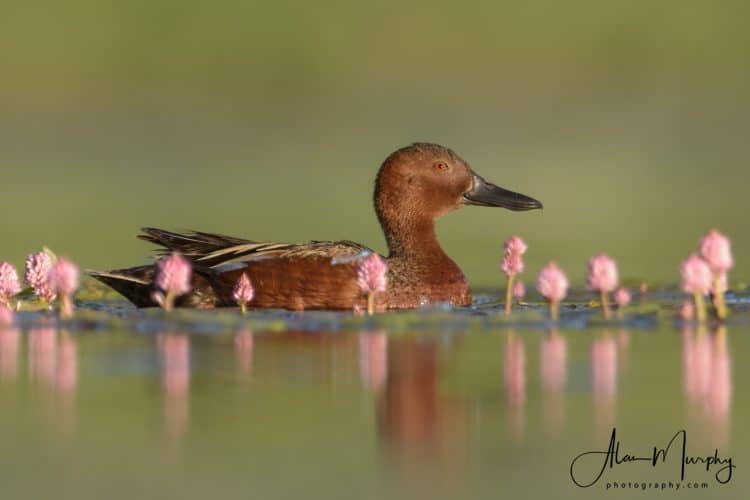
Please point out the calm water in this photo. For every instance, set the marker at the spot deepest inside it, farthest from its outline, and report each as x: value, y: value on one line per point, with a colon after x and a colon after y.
x: 371, y: 414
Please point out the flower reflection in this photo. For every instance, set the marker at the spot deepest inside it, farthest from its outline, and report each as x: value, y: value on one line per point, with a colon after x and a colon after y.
x: 10, y: 340
x: 42, y: 355
x: 243, y: 351
x: 53, y: 367
x: 66, y: 381
x: 373, y: 359
x: 174, y: 353
x: 553, y: 356
x: 514, y: 371
x: 604, y: 380
x: 66, y: 372
x: 707, y: 379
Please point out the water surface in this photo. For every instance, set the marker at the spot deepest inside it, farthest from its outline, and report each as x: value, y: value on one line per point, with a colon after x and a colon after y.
x: 450, y: 410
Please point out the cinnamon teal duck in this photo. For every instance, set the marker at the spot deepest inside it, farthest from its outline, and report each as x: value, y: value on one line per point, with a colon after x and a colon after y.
x: 415, y: 186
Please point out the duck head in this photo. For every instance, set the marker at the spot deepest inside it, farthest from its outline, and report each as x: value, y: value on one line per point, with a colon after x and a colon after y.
x: 429, y: 180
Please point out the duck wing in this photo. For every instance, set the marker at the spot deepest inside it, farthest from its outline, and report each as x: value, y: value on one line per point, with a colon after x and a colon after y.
x: 218, y: 251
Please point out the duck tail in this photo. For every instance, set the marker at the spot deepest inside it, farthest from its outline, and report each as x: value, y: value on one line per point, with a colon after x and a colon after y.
x: 133, y: 283
x: 136, y: 285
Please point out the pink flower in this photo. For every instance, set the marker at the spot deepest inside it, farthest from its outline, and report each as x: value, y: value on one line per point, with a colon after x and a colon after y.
x: 602, y: 274
x: 519, y: 290
x: 717, y: 251
x: 687, y: 311
x: 243, y: 292
x: 38, y: 270
x: 515, y: 244
x: 65, y: 279
x: 372, y: 274
x: 173, y: 275
x: 10, y: 285
x: 552, y: 283
x: 513, y: 259
x: 622, y: 297
x: 512, y: 264
x: 696, y: 275
x: 6, y: 315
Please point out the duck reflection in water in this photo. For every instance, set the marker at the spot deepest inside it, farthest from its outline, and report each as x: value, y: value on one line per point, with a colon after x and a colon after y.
x: 707, y: 380
x: 604, y: 381
x: 553, y: 358
x: 174, y: 356
x: 421, y: 427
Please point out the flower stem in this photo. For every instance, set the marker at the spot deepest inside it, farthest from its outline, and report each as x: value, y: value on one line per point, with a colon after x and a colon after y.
x: 605, y: 305
x: 243, y: 308
x: 66, y: 307
x: 700, y: 307
x: 371, y: 303
x: 169, y: 302
x: 508, y: 295
x: 554, y: 310
x: 719, y: 303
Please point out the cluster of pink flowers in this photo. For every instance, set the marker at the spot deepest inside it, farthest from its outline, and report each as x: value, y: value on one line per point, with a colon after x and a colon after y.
x: 707, y: 273
x: 48, y: 277
x: 702, y: 274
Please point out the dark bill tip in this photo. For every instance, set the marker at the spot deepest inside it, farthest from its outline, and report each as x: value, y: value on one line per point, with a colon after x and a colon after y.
x: 486, y: 194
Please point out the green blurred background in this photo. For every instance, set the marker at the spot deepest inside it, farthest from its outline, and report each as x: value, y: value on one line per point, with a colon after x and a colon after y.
x: 268, y: 119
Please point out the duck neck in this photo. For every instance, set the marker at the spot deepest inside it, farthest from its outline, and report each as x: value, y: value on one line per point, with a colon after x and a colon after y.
x: 413, y: 239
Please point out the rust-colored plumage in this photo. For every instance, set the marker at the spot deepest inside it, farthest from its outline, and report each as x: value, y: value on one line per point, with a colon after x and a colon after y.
x: 415, y: 185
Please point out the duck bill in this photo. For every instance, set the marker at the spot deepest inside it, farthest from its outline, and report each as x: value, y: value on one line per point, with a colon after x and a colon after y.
x: 486, y: 194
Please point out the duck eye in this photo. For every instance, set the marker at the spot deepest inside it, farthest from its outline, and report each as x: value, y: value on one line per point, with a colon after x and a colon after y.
x: 440, y: 165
